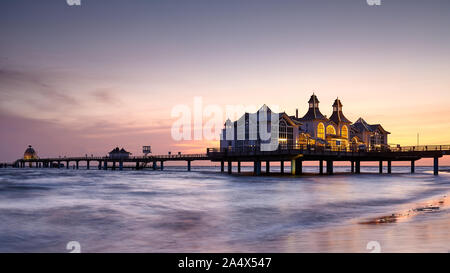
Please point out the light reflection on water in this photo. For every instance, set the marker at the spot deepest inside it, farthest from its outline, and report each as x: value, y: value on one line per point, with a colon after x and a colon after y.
x: 204, y: 211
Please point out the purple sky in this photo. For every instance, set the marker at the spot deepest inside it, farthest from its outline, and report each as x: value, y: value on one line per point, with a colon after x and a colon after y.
x: 80, y: 80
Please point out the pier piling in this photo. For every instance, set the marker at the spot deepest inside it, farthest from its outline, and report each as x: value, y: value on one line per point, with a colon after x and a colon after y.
x: 436, y: 166
x: 330, y: 167
x: 257, y: 167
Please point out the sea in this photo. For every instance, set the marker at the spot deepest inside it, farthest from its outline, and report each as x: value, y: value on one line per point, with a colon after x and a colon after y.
x: 66, y: 210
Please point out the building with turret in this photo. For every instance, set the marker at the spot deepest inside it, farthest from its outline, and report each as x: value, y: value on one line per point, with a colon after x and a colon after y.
x: 336, y: 132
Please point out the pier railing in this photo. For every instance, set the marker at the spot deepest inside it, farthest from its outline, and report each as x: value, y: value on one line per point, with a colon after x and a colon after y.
x: 322, y: 148
x: 130, y: 158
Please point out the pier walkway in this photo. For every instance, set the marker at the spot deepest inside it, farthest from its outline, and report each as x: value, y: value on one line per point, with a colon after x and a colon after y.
x: 138, y: 162
x: 300, y: 153
x: 296, y: 155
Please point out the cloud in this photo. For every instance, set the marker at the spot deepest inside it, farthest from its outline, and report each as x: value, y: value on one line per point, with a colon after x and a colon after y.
x: 34, y: 89
x: 106, y: 96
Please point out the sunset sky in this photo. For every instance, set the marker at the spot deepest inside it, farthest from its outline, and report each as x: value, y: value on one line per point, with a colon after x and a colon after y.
x: 78, y: 80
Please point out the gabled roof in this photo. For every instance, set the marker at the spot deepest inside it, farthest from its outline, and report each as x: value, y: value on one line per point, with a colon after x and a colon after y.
x: 117, y: 150
x: 361, y: 125
x: 292, y: 121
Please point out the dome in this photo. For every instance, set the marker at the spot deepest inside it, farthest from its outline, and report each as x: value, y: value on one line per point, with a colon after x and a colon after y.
x: 30, y: 153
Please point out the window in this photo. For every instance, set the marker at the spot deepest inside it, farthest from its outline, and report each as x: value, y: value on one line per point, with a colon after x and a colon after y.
x: 344, y: 131
x: 283, y: 135
x: 321, y: 131
x: 331, y: 130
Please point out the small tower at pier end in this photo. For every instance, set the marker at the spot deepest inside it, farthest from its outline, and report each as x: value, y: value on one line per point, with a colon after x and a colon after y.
x: 30, y: 153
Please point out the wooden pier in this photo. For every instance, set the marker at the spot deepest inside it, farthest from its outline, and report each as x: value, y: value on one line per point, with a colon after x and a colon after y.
x: 105, y: 163
x: 296, y: 155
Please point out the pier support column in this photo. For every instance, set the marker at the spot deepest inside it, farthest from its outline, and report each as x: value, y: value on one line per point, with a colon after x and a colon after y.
x: 436, y: 166
x: 380, y: 167
x: 59, y: 164
x: 99, y: 165
x: 389, y: 166
x: 154, y: 165
x: 77, y: 164
x: 120, y: 165
x: 105, y: 165
x: 114, y: 166
x: 222, y: 166
x: 87, y: 164
x: 257, y: 167
x: 267, y: 166
x: 67, y: 164
x: 320, y: 166
x: 358, y: 167
x: 298, y: 166
x: 189, y: 165
x: 352, y: 166
x: 239, y: 167
x: 162, y: 165
x: 330, y: 167
x: 282, y: 166
x: 230, y: 166
x: 413, y: 166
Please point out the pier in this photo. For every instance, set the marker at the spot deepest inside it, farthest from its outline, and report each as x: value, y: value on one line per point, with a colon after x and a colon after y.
x: 299, y: 154
x: 296, y: 155
x: 104, y: 163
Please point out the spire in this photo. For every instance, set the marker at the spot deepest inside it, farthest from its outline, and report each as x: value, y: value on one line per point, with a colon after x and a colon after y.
x: 313, y: 112
x: 337, y: 116
x: 313, y: 101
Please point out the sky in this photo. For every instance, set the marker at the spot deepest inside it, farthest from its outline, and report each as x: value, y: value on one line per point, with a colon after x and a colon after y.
x: 78, y: 80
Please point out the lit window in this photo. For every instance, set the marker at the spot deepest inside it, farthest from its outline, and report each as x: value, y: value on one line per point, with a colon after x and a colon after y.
x: 321, y: 131
x: 331, y: 130
x: 344, y: 132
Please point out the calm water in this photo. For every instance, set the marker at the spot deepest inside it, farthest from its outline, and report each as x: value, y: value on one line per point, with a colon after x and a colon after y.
x: 41, y: 210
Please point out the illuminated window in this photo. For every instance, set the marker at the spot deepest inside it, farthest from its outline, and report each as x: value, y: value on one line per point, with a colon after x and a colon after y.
x: 321, y: 131
x: 344, y: 131
x: 331, y: 130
